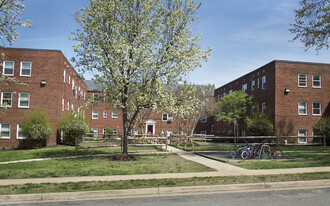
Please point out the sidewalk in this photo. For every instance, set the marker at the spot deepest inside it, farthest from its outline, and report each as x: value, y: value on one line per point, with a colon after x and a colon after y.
x: 222, y: 169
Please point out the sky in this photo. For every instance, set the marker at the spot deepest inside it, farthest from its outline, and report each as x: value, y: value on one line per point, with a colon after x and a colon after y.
x: 243, y: 35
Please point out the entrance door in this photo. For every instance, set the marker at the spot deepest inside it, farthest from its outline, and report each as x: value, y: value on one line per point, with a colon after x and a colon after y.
x: 150, y: 129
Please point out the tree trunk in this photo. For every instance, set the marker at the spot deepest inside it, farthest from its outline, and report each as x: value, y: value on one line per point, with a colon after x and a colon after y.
x: 125, y: 142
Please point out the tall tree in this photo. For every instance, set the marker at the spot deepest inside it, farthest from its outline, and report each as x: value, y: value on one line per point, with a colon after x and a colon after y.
x: 191, y: 103
x: 9, y: 20
x: 312, y: 24
x: 137, y: 48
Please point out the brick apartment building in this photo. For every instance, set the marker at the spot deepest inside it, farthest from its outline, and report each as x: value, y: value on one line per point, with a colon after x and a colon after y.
x: 101, y: 117
x: 295, y: 94
x: 53, y: 85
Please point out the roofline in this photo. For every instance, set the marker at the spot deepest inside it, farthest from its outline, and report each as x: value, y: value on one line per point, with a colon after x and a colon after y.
x: 44, y: 50
x: 275, y: 61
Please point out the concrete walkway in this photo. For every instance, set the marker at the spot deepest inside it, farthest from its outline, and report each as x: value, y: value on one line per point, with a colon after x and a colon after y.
x: 221, y: 169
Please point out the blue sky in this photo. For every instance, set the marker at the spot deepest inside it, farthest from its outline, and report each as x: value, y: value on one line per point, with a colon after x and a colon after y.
x: 243, y: 34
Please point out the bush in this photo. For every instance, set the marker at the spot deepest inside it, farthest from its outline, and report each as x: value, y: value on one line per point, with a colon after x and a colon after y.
x: 36, y: 128
x: 259, y: 125
x: 322, y: 127
x: 72, y: 125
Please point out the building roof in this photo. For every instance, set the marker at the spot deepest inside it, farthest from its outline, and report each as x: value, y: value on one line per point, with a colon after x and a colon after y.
x: 92, y: 86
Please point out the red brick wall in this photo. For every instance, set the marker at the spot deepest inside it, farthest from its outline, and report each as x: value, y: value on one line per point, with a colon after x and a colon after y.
x: 261, y: 95
x: 288, y: 122
x: 46, y: 65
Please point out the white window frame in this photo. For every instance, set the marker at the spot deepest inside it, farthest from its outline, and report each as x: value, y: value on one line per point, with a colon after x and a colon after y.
x: 64, y: 73
x: 19, y: 100
x: 263, y: 82
x: 253, y: 85
x: 4, y: 66
x: 302, y: 104
x: 68, y: 105
x: 24, y: 75
x: 244, y: 88
x: 63, y: 104
x: 19, y: 128
x: 302, y: 83
x: 302, y: 139
x: 319, y: 109
x: 115, y: 131
x: 230, y: 91
x: 263, y: 107
x: 104, y: 131
x: 320, y: 81
x: 11, y: 99
x: 114, y: 115
x: 1, y: 136
x: 169, y: 117
x: 96, y: 96
x: 95, y: 131
x: 204, y: 119
x: 258, y: 85
x: 105, y: 114
x: 95, y: 114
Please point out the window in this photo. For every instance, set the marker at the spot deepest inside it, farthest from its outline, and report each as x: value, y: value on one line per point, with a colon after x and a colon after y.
x: 167, y: 117
x: 302, y: 133
x: 6, y: 99
x: 26, y: 69
x: 244, y: 110
x: 19, y: 132
x: 244, y: 88
x: 105, y: 114
x: 302, y: 108
x: 302, y: 80
x: 4, y: 131
x: 253, y: 85
x: 204, y: 119
x: 115, y: 131
x: 95, y: 114
x: 114, y: 114
x: 8, y: 68
x: 96, y: 96
x: 230, y: 91
x: 263, y: 82
x: 24, y: 100
x: 317, y: 108
x: 316, y: 81
x: 95, y: 131
x: 63, y: 104
x: 64, y: 73
x: 68, y: 105
x: 263, y: 107
x: 258, y: 83
x: 252, y: 109
x: 218, y: 98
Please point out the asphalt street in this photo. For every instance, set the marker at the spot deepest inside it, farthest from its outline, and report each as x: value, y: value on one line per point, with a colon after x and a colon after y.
x: 302, y: 197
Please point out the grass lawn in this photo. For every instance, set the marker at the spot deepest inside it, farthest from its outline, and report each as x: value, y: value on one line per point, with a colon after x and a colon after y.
x: 100, y: 166
x: 297, y: 156
x: 63, y: 151
x: 154, y: 183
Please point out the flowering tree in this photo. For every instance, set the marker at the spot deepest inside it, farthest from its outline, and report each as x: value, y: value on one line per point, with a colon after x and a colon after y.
x: 312, y: 23
x: 191, y: 102
x: 136, y: 48
x: 9, y: 19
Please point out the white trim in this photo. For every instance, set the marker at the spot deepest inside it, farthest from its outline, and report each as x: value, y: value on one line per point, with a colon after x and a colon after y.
x: 253, y: 85
x: 320, y: 80
x: 105, y: 114
x: 302, y: 136
x: 97, y: 114
x: 24, y: 75
x: 114, y: 115
x: 11, y: 99
x: 19, y: 100
x: 320, y: 108
x: 1, y: 137
x: 305, y: 108
x: 150, y: 123
x: 306, y: 82
x: 3, y: 68
x: 18, y: 128
x: 263, y: 82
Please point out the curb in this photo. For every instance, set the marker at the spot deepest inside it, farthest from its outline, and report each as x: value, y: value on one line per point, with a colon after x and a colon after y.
x: 162, y: 191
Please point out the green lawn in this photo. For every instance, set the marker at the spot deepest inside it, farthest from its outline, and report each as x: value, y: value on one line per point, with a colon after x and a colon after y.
x: 100, y: 166
x: 63, y: 151
x: 154, y: 183
x: 295, y: 157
